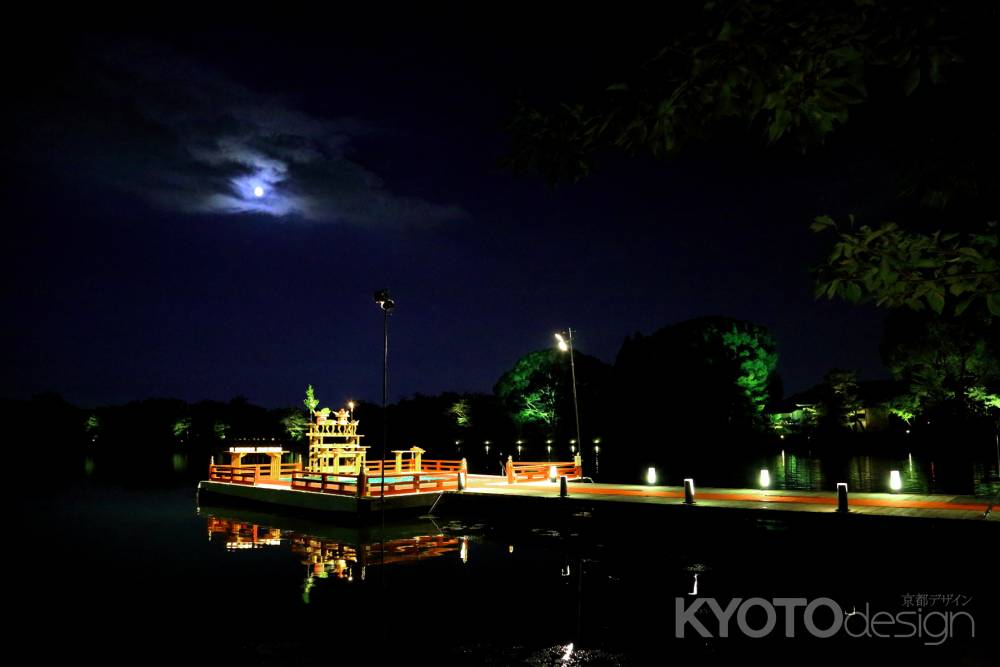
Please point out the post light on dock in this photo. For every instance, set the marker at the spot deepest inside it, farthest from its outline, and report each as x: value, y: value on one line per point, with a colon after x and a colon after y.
x: 765, y: 478
x: 895, y: 481
x: 651, y: 476
x: 350, y: 407
x: 689, y: 491
x: 487, y: 444
x: 565, y: 342
x: 842, y: 497
x: 519, y: 448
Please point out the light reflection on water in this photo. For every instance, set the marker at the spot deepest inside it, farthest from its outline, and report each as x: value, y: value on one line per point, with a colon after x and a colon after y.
x: 871, y: 474
x: 505, y: 598
x: 493, y: 589
x: 334, y: 552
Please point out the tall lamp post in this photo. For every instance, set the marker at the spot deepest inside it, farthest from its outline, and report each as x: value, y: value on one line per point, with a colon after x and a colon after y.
x: 565, y: 342
x: 386, y: 303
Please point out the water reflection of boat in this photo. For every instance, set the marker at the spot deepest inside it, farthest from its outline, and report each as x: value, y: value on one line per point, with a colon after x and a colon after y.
x: 342, y: 552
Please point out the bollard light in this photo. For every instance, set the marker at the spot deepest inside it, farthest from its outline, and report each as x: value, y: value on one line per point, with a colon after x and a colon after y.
x: 651, y: 476
x: 765, y: 478
x: 689, y: 491
x: 553, y: 473
x: 895, y: 481
x: 563, y: 487
x: 842, y: 497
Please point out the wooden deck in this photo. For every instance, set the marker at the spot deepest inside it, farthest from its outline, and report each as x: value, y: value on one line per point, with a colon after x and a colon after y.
x: 529, y: 483
x: 873, y: 504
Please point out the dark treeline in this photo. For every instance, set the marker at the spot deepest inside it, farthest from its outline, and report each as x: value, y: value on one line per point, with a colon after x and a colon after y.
x: 679, y: 398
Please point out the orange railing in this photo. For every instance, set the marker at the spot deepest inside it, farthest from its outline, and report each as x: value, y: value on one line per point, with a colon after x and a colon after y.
x: 417, y: 482
x: 434, y: 476
x: 407, y: 465
x: 537, y: 471
x: 233, y: 474
x: 371, y: 487
x: 251, y: 473
x: 325, y: 482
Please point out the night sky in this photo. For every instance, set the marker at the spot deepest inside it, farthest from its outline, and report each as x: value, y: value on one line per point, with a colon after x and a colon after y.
x: 139, y: 263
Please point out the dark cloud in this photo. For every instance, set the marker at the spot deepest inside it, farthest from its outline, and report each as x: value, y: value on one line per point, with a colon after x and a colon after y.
x: 188, y: 138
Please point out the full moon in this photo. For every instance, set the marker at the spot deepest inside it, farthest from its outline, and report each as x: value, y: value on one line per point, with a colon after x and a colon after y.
x: 258, y: 191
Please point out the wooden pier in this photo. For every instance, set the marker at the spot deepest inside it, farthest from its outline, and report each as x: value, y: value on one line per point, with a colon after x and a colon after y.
x: 529, y: 486
x: 545, y: 496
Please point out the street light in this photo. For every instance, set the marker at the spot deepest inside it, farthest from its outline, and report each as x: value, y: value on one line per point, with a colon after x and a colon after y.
x: 565, y: 342
x: 386, y: 303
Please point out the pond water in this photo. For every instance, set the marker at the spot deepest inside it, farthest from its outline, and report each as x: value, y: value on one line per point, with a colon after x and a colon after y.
x: 117, y: 572
x: 942, y: 471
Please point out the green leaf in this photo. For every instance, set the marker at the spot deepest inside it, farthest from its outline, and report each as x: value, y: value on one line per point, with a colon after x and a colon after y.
x: 936, y: 301
x: 993, y: 303
x: 852, y: 292
x: 886, y: 273
x: 782, y: 119
x: 822, y: 222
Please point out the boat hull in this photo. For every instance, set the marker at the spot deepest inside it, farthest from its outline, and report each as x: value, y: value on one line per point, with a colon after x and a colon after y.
x: 314, y: 502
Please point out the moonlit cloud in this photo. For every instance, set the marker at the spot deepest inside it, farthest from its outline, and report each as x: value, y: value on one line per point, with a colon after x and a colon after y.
x: 204, y: 143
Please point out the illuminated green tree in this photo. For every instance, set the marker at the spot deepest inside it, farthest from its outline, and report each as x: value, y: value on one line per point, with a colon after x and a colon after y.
x: 220, y: 429
x: 705, y: 375
x: 92, y: 425
x: 538, y: 391
x: 459, y: 410
x: 754, y: 352
x: 181, y: 428
x: 840, y: 404
x: 529, y: 389
x: 983, y: 400
x: 311, y: 402
x: 948, y: 365
x: 295, y: 424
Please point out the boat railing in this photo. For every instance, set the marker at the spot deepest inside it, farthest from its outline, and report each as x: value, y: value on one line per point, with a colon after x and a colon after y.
x: 409, y: 465
x: 233, y: 474
x: 326, y: 482
x: 370, y: 486
x: 426, y: 481
x: 252, y: 473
